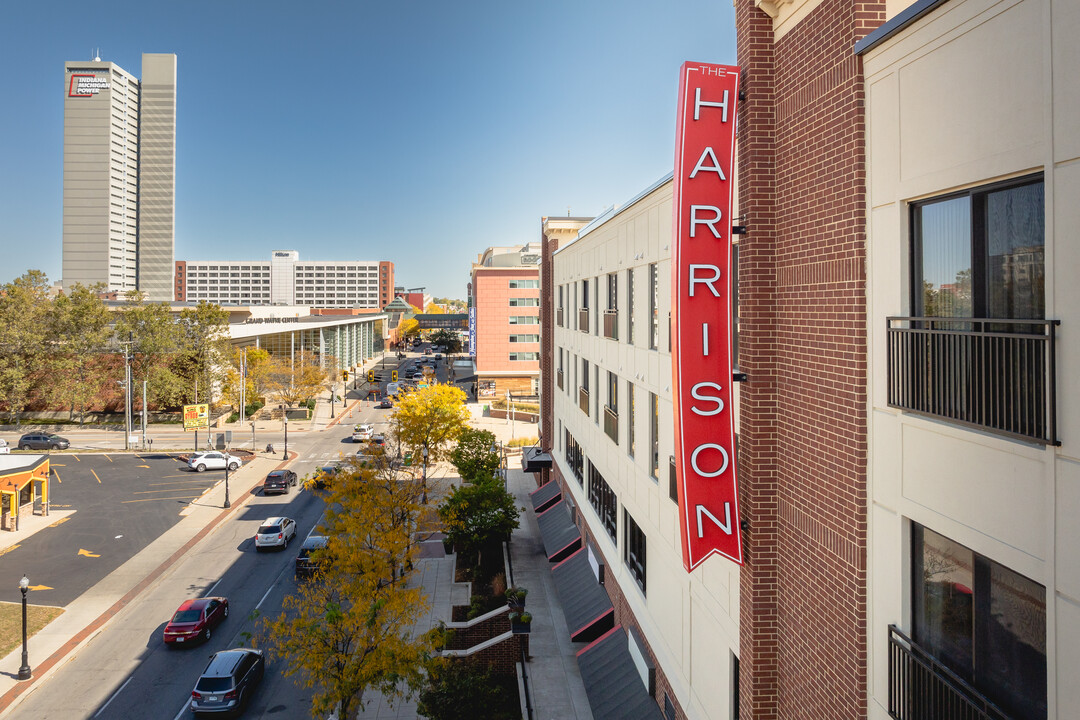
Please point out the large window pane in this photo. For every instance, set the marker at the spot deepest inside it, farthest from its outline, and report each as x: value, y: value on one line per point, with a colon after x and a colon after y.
x: 944, y: 234
x: 1014, y: 669
x: 943, y: 604
x: 1014, y: 233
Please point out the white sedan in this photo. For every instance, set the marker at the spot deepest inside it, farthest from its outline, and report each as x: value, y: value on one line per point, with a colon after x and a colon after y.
x: 213, y: 461
x: 5, y: 449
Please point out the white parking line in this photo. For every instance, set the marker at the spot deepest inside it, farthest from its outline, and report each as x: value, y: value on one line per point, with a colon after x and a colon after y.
x: 119, y: 690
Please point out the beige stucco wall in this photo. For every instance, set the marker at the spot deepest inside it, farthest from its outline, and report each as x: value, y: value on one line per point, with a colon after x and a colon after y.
x: 691, y: 621
x: 975, y: 92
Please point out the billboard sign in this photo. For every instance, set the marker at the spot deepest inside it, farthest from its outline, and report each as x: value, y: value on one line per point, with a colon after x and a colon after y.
x: 87, y: 84
x: 196, y: 416
x: 701, y: 313
x: 472, y: 331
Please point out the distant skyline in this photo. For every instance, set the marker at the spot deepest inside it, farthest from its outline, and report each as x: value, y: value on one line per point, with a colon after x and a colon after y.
x: 419, y: 133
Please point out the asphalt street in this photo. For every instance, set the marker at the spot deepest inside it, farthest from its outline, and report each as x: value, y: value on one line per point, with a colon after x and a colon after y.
x: 125, y: 671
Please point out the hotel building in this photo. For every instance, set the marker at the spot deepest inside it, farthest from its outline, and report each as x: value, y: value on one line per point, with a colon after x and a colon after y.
x: 285, y: 280
x: 119, y: 169
x: 505, y: 298
x: 907, y: 469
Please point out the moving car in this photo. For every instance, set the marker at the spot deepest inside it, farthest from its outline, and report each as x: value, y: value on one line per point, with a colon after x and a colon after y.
x: 213, y: 461
x: 306, y: 566
x: 4, y: 448
x: 194, y: 619
x: 279, y: 481
x: 362, y: 432
x: 385, y: 403
x: 275, y: 532
x: 228, y: 681
x: 43, y: 441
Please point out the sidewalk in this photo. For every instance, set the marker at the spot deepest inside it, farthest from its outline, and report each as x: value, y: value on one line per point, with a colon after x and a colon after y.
x: 85, y: 617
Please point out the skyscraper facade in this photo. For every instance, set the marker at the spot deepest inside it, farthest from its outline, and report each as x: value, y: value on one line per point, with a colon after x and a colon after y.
x: 119, y: 168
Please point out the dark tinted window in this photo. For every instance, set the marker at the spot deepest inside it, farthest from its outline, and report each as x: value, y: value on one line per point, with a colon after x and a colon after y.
x: 214, y: 684
x: 187, y: 616
x: 267, y: 529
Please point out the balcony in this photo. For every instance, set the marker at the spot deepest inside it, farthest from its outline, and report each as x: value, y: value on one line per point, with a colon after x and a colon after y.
x: 921, y: 688
x: 559, y: 378
x: 583, y: 400
x: 611, y: 324
x: 611, y: 424
x: 994, y: 375
x: 583, y: 319
x: 559, y: 317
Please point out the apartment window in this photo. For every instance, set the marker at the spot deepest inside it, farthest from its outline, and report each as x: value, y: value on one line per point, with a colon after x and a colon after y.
x: 525, y: 320
x: 980, y: 253
x: 524, y: 284
x: 634, y: 549
x: 560, y: 321
x: 575, y: 458
x: 525, y: 356
x: 986, y: 623
x: 524, y: 302
x: 613, y: 392
x: 630, y: 418
x: 584, y: 294
x: 524, y: 338
x: 612, y: 291
x: 654, y: 435
x: 630, y: 306
x: 603, y: 500
x: 654, y: 304
x: 596, y: 384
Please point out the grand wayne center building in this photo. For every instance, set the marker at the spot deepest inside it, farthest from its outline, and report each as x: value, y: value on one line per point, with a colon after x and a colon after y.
x: 907, y: 449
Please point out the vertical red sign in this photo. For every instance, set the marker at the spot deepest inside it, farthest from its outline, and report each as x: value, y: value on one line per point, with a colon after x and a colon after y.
x: 701, y: 313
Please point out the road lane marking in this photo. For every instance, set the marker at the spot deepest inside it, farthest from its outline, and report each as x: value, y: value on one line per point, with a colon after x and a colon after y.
x: 143, y: 466
x: 9, y: 549
x: 181, y: 482
x: 76, y: 458
x: 147, y: 492
x: 95, y: 475
x: 57, y: 475
x: 185, y: 497
x: 38, y: 587
x: 187, y: 704
x: 61, y: 521
x: 52, y: 464
x: 108, y: 458
x: 87, y: 553
x: 212, y: 588
x: 121, y: 688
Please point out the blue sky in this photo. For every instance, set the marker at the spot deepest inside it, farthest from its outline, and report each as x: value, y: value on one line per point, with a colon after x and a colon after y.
x: 418, y: 132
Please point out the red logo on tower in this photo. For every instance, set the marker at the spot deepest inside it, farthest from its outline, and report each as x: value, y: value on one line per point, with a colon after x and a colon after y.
x: 701, y: 313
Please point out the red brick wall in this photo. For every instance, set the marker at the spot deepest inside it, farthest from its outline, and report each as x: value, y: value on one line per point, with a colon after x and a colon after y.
x: 547, y: 349
x: 802, y: 342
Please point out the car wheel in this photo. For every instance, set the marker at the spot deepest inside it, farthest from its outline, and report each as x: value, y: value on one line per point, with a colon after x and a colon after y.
x: 54, y: 446
x: 206, y: 635
x: 233, y: 467
x: 24, y: 447
x: 200, y: 467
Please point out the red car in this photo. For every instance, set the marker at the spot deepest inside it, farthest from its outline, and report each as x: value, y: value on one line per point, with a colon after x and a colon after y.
x: 194, y: 619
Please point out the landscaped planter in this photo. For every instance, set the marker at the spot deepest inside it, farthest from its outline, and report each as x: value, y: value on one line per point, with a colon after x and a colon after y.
x: 520, y: 623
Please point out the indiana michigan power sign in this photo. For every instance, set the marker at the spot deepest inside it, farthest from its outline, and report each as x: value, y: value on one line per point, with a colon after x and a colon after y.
x: 701, y: 313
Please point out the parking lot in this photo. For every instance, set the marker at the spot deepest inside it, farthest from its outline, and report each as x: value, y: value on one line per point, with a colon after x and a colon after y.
x: 122, y: 503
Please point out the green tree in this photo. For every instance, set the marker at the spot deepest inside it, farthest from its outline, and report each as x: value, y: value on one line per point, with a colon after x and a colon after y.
x: 292, y: 381
x: 152, y: 333
x: 450, y: 340
x: 24, y: 342
x: 350, y: 629
x: 430, y: 418
x: 408, y: 328
x: 80, y: 330
x: 203, y: 334
x: 456, y: 688
x: 474, y: 515
x: 473, y: 456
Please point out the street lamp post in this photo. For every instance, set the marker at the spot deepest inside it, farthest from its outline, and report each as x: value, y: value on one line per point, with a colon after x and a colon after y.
x: 286, y: 418
x: 24, y: 669
x: 228, y: 461
x: 252, y: 436
x: 500, y: 449
x: 424, y: 452
x: 333, y: 387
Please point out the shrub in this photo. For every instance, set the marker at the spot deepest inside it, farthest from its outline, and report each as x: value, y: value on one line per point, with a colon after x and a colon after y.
x: 455, y: 689
x: 523, y: 442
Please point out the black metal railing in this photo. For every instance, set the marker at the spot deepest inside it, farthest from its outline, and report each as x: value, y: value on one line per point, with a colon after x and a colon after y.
x: 559, y: 317
x: 997, y: 375
x: 583, y: 319
x: 611, y: 424
x: 611, y: 324
x: 583, y: 400
x: 921, y: 688
x: 559, y: 378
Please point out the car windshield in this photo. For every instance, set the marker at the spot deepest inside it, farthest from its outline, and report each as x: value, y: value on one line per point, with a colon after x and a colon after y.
x: 187, y: 616
x: 268, y: 529
x: 274, y: 478
x: 214, y: 684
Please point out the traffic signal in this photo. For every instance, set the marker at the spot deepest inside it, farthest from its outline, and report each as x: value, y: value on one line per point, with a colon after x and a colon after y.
x: 371, y: 376
x: 345, y: 375
x: 393, y: 375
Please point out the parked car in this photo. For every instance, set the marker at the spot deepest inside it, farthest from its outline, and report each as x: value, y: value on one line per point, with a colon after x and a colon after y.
x: 4, y: 448
x: 194, y: 619
x: 385, y: 404
x: 228, y: 682
x: 306, y: 565
x: 275, y: 532
x: 279, y: 481
x: 213, y: 461
x: 43, y: 441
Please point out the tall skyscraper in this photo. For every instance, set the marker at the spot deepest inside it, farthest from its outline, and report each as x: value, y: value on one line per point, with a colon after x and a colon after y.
x: 119, y: 167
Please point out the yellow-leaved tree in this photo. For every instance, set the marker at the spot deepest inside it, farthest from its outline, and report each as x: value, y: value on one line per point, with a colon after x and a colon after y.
x: 430, y: 419
x: 350, y: 629
x: 296, y: 380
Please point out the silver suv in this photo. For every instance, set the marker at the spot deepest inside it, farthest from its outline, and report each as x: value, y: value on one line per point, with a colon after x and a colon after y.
x: 228, y: 681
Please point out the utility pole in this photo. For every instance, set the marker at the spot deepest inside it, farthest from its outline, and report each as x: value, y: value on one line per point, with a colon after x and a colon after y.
x: 144, y: 414
x: 127, y: 392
